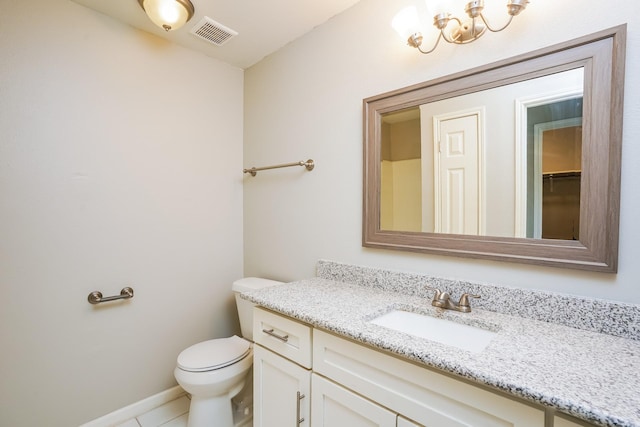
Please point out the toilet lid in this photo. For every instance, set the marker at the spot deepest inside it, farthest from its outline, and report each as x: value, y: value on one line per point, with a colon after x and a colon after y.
x: 213, y: 354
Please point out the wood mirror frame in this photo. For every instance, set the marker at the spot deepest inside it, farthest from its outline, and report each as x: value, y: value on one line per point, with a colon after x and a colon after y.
x: 603, y: 57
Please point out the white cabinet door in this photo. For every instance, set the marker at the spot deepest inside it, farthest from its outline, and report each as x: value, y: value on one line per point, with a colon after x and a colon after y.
x: 562, y: 422
x: 281, y: 391
x: 421, y: 394
x: 403, y: 422
x: 457, y: 176
x: 334, y: 406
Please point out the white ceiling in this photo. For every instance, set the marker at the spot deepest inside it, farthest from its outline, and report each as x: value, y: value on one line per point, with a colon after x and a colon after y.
x: 263, y: 26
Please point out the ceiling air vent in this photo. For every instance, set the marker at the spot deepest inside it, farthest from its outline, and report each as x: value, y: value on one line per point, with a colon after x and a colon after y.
x: 212, y: 31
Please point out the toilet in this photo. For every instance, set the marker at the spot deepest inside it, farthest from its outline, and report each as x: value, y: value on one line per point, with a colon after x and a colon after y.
x: 215, y: 371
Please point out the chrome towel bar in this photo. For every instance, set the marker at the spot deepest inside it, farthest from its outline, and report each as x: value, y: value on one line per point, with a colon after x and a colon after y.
x: 96, y: 297
x: 308, y: 164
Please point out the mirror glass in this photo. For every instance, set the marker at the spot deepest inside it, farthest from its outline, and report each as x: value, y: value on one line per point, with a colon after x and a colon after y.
x: 445, y: 164
x: 516, y: 161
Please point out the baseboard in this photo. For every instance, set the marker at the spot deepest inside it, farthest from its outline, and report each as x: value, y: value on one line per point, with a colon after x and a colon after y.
x: 135, y: 409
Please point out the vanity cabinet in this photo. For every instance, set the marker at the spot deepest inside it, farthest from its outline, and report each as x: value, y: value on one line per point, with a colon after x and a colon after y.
x: 281, y: 371
x: 300, y: 371
x: 417, y: 392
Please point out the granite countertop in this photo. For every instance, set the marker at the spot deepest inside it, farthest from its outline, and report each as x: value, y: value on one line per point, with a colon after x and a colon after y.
x: 589, y: 375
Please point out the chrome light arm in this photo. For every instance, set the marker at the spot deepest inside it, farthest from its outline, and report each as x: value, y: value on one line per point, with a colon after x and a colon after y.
x: 468, y: 30
x: 415, y: 40
x: 514, y: 7
x: 495, y: 30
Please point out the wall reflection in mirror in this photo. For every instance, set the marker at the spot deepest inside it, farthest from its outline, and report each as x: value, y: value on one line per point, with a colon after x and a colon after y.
x: 499, y: 162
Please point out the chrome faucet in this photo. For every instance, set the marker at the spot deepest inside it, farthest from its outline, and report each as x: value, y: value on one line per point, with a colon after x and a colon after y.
x: 443, y: 300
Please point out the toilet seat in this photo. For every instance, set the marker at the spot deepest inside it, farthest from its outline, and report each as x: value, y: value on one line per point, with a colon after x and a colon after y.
x: 213, y: 354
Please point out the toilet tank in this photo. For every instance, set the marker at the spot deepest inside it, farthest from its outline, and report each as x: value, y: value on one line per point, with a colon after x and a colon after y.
x: 245, y: 308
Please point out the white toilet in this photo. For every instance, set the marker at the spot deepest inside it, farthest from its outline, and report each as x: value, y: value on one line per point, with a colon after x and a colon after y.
x: 215, y: 371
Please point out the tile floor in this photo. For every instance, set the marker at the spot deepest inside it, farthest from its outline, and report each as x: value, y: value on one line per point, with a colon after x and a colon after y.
x: 171, y: 414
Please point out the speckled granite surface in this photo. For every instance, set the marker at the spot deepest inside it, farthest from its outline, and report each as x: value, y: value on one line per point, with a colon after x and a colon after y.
x: 608, y: 317
x: 590, y: 375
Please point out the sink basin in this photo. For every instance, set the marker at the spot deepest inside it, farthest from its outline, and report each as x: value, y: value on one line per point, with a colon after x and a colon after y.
x: 465, y: 337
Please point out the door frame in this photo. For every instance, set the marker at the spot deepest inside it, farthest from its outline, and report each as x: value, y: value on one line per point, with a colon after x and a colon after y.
x: 521, y: 106
x: 538, y: 131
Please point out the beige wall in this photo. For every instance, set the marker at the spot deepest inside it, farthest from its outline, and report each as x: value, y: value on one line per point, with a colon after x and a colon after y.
x: 293, y: 218
x: 120, y: 164
x: 400, y: 195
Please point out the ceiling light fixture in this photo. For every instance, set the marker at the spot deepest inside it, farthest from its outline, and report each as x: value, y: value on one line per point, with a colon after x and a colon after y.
x: 168, y: 14
x: 452, y: 29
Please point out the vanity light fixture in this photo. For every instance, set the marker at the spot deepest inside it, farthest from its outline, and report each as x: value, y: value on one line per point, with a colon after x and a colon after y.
x: 168, y: 14
x: 452, y: 29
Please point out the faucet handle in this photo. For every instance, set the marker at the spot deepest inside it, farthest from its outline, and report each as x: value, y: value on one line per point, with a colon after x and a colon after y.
x: 440, y: 299
x: 438, y: 294
x: 464, y: 301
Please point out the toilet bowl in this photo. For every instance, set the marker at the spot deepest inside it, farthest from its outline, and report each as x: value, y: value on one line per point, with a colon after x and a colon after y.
x: 215, y: 371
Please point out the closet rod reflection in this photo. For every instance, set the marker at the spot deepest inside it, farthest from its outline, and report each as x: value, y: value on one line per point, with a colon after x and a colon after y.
x: 96, y: 297
x: 308, y: 164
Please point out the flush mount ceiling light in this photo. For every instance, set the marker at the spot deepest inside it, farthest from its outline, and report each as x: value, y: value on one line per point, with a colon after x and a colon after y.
x: 168, y: 14
x: 452, y: 29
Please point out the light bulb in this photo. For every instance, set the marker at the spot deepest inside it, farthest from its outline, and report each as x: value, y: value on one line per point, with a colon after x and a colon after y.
x: 168, y: 14
x: 406, y: 22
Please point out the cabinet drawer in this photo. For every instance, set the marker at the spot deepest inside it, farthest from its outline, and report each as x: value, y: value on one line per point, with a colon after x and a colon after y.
x: 419, y: 393
x: 287, y: 337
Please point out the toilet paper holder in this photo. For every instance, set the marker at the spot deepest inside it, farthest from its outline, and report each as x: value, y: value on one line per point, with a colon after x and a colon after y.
x: 96, y: 297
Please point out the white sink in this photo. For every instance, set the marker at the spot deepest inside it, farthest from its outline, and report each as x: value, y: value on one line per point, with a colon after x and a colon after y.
x: 465, y: 337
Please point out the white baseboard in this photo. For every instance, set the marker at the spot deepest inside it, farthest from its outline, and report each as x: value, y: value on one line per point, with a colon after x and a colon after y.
x: 135, y: 409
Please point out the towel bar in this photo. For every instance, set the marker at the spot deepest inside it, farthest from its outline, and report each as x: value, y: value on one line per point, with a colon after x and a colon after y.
x: 96, y: 297
x: 308, y: 164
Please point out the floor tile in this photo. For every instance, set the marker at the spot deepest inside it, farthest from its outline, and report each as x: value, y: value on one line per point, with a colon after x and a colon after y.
x: 181, y: 421
x: 130, y: 423
x: 165, y: 413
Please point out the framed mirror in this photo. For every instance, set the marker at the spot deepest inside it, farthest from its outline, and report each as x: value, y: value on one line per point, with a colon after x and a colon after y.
x: 517, y: 160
